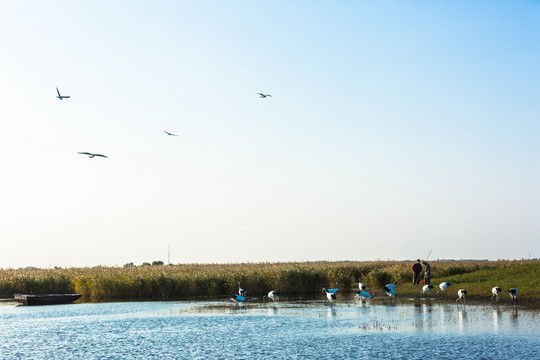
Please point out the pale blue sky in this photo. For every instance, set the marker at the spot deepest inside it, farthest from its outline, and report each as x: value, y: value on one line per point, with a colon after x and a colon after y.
x: 393, y: 128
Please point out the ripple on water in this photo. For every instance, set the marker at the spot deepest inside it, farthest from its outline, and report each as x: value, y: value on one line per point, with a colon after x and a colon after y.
x: 172, y: 330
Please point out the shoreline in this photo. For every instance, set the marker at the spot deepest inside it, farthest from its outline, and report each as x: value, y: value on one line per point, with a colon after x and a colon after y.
x: 189, y: 281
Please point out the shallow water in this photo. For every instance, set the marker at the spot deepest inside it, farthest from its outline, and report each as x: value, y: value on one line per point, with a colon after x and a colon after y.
x: 284, y: 330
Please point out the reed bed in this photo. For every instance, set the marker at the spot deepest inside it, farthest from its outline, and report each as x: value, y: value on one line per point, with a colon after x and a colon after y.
x: 199, y: 280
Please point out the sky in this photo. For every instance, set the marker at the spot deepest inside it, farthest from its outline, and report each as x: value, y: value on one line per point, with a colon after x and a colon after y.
x: 394, y: 129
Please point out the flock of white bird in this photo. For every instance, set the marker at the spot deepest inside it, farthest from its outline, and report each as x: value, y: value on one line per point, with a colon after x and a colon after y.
x: 389, y: 289
x: 92, y: 155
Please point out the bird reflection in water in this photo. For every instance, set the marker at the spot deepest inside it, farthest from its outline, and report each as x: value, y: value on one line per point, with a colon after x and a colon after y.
x: 331, y: 312
x: 462, y: 318
x: 496, y: 319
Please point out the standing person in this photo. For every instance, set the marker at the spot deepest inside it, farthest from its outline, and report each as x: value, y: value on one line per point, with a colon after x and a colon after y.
x: 417, y: 269
x: 427, y: 273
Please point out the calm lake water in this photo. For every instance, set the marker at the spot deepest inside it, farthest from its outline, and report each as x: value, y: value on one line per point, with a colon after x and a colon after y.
x: 285, y: 330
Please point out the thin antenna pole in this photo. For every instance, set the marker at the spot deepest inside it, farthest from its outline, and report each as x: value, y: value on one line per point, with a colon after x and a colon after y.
x: 168, y: 254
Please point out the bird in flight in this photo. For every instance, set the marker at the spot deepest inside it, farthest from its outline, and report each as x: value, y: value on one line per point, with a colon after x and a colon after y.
x: 90, y: 155
x: 262, y: 96
x: 168, y: 133
x: 60, y: 96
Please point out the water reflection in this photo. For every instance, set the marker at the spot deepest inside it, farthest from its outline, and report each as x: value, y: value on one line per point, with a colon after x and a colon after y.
x: 443, y: 312
x: 331, y: 312
x: 418, y: 317
x: 514, y: 319
x: 272, y: 310
x: 496, y: 318
x: 462, y: 318
x: 427, y: 310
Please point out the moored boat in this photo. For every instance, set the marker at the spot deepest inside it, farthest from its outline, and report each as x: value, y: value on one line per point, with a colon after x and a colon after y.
x: 46, y: 299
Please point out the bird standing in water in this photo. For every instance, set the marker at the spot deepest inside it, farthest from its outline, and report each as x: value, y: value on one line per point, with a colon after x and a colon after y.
x: 513, y: 294
x: 495, y: 291
x: 240, y: 297
x: 361, y: 286
x: 272, y: 295
x: 462, y: 293
x: 331, y: 293
x: 241, y: 291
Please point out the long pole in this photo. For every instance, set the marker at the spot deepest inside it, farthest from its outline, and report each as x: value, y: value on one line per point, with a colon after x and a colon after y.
x: 429, y: 254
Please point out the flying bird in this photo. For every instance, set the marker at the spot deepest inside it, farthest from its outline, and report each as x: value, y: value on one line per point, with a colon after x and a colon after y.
x: 390, y: 290
x: 170, y: 134
x: 365, y: 295
x: 60, y: 96
x: 90, y: 155
x: 237, y: 299
x: 262, y: 96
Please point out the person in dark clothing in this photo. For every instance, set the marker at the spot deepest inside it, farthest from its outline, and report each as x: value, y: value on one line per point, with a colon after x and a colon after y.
x: 417, y: 269
x: 427, y: 272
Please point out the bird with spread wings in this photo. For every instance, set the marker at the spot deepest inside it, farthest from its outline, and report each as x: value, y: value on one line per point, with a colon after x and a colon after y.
x: 91, y: 155
x: 61, y: 97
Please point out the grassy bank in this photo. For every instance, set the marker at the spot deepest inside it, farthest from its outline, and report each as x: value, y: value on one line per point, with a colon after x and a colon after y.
x: 191, y: 280
x: 523, y: 275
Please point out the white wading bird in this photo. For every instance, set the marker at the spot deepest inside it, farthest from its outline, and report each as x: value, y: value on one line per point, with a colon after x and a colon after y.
x: 495, y: 291
x: 90, y: 155
x: 168, y: 133
x: 331, y: 293
x: 60, y: 96
x: 272, y: 295
x: 241, y: 291
x: 240, y: 297
x: 443, y: 287
x: 361, y: 286
x: 513, y: 294
x: 426, y: 289
x: 262, y: 96
x: 462, y: 293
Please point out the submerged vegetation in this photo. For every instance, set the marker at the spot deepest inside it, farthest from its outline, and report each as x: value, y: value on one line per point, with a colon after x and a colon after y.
x: 291, y: 278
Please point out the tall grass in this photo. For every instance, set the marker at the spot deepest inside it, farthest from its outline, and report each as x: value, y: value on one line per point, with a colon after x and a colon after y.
x: 192, y: 280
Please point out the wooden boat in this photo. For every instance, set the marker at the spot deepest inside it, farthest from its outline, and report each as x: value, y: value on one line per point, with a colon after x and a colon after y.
x: 46, y: 299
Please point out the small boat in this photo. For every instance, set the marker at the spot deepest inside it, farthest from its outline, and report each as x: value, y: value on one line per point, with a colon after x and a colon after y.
x: 46, y: 299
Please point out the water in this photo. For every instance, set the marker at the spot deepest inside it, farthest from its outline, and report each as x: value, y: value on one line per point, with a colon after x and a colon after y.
x: 285, y: 330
